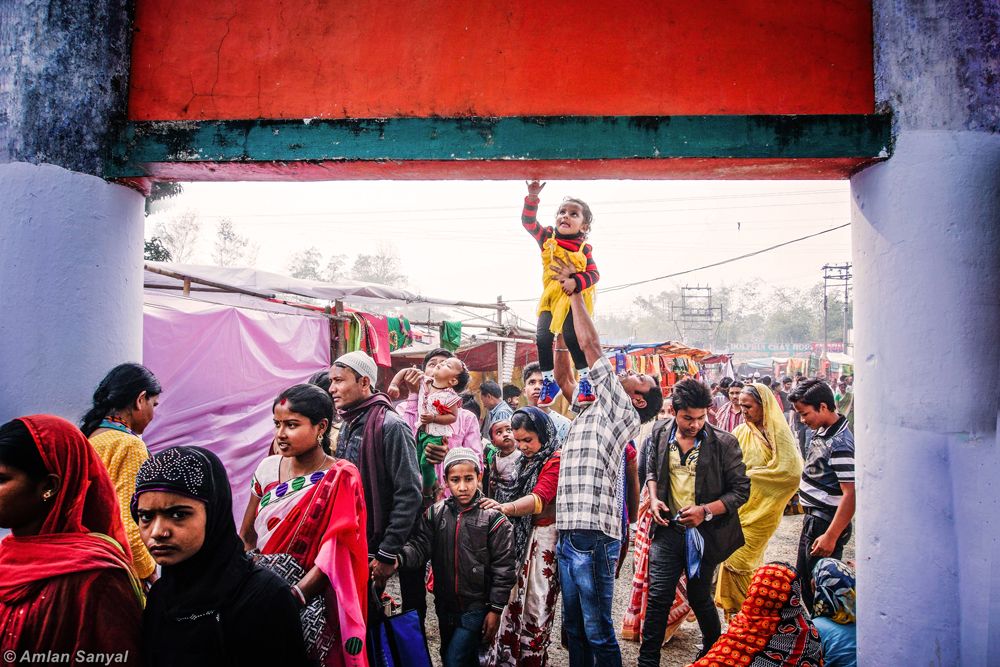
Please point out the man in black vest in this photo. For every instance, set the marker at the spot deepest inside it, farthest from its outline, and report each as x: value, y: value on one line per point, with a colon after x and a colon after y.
x: 696, y: 481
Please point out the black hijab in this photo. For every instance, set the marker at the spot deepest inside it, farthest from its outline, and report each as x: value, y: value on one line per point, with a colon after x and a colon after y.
x: 213, y: 576
x: 526, y: 472
x: 206, y: 610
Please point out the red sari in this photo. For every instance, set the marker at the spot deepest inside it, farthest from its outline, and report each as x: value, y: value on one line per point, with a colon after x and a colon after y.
x: 326, y: 528
x: 71, y: 587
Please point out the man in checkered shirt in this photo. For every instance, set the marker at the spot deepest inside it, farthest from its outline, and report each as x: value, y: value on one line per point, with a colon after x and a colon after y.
x: 588, y: 501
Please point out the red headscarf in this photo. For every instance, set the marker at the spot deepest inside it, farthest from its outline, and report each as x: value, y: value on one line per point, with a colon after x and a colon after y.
x: 85, y: 503
x: 771, y: 627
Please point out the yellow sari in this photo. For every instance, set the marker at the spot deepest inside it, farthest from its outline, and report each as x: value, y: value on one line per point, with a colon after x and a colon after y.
x: 554, y: 299
x: 774, y: 466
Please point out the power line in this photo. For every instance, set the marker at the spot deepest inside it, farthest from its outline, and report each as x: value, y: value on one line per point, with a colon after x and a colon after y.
x: 616, y: 288
x: 240, y: 218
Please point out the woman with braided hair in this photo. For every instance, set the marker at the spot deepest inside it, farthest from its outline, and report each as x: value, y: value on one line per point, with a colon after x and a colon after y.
x: 124, y: 403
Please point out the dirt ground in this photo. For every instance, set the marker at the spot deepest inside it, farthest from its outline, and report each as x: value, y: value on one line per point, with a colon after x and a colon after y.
x: 687, y: 642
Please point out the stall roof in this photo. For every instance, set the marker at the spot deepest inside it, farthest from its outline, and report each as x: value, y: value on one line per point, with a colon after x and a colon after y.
x: 840, y: 358
x: 666, y: 348
x: 480, y: 355
x: 171, y: 276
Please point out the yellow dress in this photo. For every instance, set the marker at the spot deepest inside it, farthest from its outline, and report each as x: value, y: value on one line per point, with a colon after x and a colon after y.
x: 554, y: 299
x: 774, y: 466
x: 122, y: 455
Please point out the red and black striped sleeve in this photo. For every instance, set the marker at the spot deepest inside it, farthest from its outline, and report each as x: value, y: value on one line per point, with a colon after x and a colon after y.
x: 590, y: 275
x: 529, y: 219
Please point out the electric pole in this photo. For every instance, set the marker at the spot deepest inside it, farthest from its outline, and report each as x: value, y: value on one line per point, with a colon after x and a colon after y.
x: 833, y: 276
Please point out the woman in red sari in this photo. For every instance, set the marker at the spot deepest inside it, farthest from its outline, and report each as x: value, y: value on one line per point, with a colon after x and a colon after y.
x: 310, y: 506
x: 66, y: 579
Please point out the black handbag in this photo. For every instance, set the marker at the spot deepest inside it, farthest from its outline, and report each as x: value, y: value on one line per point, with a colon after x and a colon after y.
x: 319, y: 636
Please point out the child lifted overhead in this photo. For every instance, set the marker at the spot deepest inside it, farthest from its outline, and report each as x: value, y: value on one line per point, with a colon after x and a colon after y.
x: 567, y: 267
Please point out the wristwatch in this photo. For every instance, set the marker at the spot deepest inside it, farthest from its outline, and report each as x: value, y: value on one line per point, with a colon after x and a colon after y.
x: 708, y: 513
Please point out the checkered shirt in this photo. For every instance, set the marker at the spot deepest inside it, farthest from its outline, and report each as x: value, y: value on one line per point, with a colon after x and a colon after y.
x: 591, y: 459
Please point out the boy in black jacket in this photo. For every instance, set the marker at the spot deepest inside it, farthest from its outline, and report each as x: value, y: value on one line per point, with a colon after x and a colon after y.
x: 470, y: 594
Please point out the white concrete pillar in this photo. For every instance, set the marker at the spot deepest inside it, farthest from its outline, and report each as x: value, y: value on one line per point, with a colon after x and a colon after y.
x: 927, y: 266
x: 70, y: 243
x: 70, y: 286
x: 926, y: 236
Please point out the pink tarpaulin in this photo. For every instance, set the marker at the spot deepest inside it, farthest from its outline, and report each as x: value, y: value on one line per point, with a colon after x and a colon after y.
x: 221, y: 368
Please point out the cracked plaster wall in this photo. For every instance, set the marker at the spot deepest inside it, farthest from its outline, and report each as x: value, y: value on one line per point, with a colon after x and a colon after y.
x: 64, y: 71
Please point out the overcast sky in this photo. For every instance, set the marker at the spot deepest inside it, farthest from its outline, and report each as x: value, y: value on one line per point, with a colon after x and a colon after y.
x: 464, y: 240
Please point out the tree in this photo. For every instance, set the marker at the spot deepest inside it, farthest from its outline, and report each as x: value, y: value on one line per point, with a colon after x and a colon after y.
x: 180, y: 235
x: 306, y: 264
x: 382, y: 267
x: 231, y: 249
x: 161, y: 190
x: 750, y: 315
x: 155, y: 252
x: 335, y: 268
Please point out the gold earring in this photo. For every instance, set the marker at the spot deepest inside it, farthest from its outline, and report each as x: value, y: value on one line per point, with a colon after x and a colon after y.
x: 47, y: 495
x: 319, y: 438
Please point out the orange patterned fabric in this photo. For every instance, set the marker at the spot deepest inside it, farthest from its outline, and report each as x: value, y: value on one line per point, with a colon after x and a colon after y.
x: 771, y: 629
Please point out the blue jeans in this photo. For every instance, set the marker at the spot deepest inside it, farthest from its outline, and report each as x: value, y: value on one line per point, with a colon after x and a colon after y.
x: 587, y: 560
x: 461, y: 635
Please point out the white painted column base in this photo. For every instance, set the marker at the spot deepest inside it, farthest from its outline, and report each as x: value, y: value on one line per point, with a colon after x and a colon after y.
x: 926, y: 228
x: 70, y: 287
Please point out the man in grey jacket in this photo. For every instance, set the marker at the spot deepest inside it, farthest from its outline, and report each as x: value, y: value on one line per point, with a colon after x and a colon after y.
x: 378, y: 441
x: 696, y: 481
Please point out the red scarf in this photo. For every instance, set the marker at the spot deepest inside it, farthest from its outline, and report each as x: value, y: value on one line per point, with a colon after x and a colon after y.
x: 85, y: 503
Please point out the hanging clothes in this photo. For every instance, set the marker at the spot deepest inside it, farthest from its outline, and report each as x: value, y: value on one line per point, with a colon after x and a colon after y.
x: 400, y: 334
x: 451, y: 335
x: 378, y: 338
x: 358, y: 337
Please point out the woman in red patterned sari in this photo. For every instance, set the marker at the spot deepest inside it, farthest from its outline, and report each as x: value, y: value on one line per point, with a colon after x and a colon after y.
x: 66, y: 578
x: 310, y: 506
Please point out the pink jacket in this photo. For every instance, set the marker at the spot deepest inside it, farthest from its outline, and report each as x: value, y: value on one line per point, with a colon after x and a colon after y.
x: 466, y: 430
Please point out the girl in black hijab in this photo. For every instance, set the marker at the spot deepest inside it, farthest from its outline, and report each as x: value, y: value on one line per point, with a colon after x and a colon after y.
x: 211, y: 605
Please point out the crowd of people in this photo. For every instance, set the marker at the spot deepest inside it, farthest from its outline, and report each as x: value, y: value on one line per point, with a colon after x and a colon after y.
x: 502, y: 511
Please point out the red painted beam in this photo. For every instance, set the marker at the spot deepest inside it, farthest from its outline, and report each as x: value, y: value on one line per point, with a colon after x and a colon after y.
x: 294, y: 59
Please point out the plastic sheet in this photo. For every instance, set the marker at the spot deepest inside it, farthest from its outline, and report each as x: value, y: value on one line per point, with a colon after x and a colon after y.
x: 221, y: 368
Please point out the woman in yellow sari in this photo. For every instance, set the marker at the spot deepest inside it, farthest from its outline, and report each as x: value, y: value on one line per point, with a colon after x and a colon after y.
x: 774, y: 465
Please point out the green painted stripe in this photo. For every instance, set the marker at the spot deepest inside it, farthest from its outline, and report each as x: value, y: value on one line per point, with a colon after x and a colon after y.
x: 517, y: 138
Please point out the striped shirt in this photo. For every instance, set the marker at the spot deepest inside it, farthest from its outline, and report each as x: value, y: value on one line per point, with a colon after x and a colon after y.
x: 589, y: 493
x: 830, y: 463
x: 590, y: 275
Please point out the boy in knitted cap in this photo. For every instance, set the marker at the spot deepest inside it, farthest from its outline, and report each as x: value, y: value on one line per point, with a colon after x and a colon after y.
x: 472, y: 554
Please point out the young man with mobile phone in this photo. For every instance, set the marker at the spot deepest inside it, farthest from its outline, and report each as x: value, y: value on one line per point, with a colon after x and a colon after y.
x: 696, y: 481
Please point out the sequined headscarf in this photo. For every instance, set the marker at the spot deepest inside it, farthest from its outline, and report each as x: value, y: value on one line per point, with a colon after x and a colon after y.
x: 208, y: 579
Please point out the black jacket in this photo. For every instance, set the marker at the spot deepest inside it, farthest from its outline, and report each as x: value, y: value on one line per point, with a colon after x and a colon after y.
x: 483, y: 542
x: 262, y: 607
x: 719, y: 475
x: 401, y: 497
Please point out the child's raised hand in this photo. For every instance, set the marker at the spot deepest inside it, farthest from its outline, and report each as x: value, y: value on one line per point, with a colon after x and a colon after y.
x: 534, y: 187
